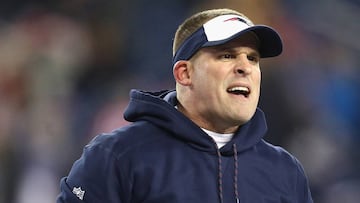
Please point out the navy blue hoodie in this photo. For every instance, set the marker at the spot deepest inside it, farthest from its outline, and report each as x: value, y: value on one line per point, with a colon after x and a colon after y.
x: 163, y: 157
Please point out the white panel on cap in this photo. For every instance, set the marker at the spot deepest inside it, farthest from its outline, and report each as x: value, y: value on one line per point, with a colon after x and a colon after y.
x: 220, y: 28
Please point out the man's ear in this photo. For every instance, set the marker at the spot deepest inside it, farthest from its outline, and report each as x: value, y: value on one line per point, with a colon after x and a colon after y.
x: 182, y: 72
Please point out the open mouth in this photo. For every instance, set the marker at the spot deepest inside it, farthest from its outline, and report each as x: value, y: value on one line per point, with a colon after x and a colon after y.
x: 239, y: 91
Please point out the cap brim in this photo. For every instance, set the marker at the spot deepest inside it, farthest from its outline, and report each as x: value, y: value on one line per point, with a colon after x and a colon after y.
x: 270, y: 41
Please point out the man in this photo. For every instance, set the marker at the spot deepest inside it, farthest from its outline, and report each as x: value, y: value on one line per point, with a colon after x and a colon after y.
x: 202, y: 142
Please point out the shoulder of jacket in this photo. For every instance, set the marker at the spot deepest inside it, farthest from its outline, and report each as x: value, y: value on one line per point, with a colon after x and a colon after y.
x: 122, y: 140
x: 278, y: 152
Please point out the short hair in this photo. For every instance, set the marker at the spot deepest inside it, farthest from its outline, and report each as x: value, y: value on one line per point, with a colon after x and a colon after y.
x: 191, y: 24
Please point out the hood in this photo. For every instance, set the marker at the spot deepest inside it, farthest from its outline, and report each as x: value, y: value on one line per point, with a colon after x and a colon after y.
x: 158, y: 109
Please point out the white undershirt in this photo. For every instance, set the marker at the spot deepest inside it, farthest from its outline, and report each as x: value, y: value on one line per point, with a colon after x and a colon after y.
x: 220, y: 139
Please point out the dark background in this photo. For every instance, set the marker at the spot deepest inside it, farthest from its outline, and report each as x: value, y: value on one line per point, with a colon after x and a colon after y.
x: 66, y: 68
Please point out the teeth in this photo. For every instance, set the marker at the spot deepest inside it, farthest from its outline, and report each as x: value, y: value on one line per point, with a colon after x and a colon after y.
x: 242, y: 89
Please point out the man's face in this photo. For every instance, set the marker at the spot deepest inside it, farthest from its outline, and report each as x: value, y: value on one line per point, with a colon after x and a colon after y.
x: 225, y: 84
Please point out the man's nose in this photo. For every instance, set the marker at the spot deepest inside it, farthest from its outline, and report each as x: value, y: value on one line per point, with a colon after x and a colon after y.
x: 243, y: 65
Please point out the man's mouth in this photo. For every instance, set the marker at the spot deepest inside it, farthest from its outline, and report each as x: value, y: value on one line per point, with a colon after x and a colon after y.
x: 239, y: 91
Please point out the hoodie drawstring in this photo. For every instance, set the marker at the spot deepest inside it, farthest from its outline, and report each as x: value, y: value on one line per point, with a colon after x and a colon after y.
x: 235, y: 176
x: 220, y: 177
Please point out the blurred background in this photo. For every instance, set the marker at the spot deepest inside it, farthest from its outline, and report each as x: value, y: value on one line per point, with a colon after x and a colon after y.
x: 66, y: 68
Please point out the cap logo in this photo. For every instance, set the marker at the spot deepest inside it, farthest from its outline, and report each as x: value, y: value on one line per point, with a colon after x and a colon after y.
x: 236, y: 19
x: 223, y: 27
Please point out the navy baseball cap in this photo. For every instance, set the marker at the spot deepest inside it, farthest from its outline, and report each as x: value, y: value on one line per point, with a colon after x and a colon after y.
x: 224, y: 28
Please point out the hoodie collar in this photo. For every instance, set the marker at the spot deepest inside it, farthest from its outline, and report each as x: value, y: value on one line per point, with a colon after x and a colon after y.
x: 158, y: 109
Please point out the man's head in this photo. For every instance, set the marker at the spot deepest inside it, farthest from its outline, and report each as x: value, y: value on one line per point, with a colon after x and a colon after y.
x: 216, y: 67
x: 190, y: 25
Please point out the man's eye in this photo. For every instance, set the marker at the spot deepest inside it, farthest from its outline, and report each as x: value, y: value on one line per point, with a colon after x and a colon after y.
x: 253, y: 58
x: 227, y: 56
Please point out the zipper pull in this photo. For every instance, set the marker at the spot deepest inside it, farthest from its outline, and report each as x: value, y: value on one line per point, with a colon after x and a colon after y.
x: 237, y: 200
